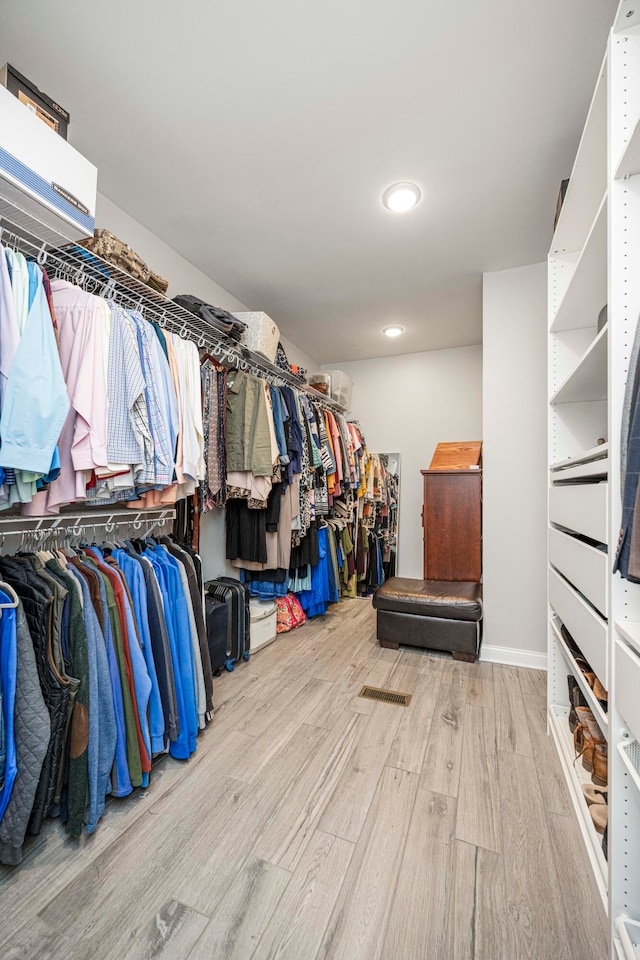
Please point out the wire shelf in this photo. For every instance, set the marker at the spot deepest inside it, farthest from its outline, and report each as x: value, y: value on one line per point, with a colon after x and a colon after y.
x: 52, y: 250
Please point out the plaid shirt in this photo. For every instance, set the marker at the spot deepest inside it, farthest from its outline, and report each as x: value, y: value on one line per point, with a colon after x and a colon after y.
x: 129, y: 437
x: 159, y: 470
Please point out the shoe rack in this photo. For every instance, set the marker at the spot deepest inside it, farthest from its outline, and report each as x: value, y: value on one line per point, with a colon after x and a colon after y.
x: 594, y: 615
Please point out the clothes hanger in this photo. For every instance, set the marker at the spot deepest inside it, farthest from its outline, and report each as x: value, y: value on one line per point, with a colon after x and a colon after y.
x: 16, y: 599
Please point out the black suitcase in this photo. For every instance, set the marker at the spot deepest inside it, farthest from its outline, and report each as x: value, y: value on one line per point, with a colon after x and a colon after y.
x: 236, y: 597
x: 218, y: 634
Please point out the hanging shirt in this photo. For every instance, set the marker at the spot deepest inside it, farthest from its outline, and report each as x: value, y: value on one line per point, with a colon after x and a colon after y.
x: 35, y: 401
x: 128, y: 427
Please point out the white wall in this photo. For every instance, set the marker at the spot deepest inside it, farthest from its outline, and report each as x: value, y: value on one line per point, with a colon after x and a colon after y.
x: 514, y: 458
x: 409, y: 404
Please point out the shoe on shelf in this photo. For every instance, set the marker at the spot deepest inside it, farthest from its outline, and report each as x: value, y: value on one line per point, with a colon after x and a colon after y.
x: 594, y: 794
x: 599, y: 773
x: 582, y: 739
x: 600, y: 816
x: 584, y: 666
x: 570, y: 642
x: 576, y: 699
x: 605, y: 845
x: 600, y: 693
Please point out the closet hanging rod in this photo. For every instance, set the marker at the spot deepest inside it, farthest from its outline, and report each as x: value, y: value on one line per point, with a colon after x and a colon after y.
x: 71, y: 262
x: 17, y: 526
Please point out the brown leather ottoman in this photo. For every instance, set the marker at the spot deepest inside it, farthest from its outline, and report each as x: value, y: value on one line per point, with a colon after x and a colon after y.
x: 434, y: 614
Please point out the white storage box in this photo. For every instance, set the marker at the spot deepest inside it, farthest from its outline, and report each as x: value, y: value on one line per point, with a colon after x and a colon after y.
x: 341, y: 386
x: 263, y: 623
x: 262, y: 334
x: 44, y: 175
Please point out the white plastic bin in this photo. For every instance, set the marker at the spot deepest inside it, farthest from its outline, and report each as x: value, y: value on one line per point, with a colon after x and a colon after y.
x: 341, y: 387
x: 321, y: 382
x: 262, y: 334
x: 263, y: 623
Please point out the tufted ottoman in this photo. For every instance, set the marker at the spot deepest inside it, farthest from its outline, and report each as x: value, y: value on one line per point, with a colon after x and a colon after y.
x: 435, y: 614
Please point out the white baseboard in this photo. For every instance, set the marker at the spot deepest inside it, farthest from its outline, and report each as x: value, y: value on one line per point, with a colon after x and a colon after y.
x: 513, y: 657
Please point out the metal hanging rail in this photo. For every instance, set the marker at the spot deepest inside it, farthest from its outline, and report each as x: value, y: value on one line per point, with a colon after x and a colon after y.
x: 40, y: 530
x: 66, y: 260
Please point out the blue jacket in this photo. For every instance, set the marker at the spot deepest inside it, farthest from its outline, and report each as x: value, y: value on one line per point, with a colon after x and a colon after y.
x: 179, y: 630
x: 120, y: 779
x: 8, y: 670
x: 134, y: 576
x: 102, y: 720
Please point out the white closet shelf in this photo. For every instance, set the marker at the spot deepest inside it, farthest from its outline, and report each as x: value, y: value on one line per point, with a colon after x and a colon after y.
x: 627, y: 943
x: 576, y: 775
x: 588, y: 379
x: 587, y: 692
x: 630, y: 630
x: 627, y: 17
x: 588, y: 178
x: 586, y: 293
x: 594, y: 453
x: 583, y: 470
x: 629, y: 751
x: 629, y: 163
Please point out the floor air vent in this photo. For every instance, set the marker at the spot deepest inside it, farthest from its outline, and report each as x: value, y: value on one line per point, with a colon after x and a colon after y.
x: 386, y: 696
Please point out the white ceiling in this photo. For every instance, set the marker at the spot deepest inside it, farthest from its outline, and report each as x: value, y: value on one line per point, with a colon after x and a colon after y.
x: 256, y: 139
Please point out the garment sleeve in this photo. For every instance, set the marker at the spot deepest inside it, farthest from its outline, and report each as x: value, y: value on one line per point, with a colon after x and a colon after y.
x: 36, y: 402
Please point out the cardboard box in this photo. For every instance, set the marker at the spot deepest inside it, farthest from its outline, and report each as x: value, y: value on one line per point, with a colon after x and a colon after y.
x: 44, y: 108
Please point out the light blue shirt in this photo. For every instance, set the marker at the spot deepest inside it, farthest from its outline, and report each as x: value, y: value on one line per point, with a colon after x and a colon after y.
x: 35, y: 402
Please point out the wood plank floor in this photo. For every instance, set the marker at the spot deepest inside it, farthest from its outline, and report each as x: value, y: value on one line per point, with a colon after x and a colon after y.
x: 313, y: 825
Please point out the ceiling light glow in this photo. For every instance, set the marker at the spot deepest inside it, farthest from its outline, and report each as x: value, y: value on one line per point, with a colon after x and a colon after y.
x: 393, y: 331
x: 401, y: 197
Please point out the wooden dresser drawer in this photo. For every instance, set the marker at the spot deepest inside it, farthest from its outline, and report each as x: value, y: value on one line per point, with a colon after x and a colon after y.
x: 581, y: 507
x: 585, y: 626
x: 583, y: 565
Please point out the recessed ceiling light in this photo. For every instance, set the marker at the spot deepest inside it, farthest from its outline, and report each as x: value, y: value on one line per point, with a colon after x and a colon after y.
x: 393, y: 331
x: 401, y: 197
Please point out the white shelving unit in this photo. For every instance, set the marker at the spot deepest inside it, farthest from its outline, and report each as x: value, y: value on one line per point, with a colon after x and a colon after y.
x: 576, y: 775
x: 588, y: 379
x: 594, y: 261
x: 587, y: 283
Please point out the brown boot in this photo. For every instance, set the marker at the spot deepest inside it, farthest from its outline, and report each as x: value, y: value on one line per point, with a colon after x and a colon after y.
x: 600, y: 693
x: 599, y: 772
x: 582, y: 739
x: 576, y: 699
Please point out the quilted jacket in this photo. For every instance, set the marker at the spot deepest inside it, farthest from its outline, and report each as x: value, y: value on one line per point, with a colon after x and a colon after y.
x: 32, y: 730
x: 37, y: 600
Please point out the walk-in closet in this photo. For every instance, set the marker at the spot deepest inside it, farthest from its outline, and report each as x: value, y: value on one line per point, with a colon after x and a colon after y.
x: 319, y: 481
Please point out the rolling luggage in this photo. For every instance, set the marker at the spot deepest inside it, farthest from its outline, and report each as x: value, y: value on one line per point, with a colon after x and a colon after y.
x: 236, y: 598
x: 216, y: 617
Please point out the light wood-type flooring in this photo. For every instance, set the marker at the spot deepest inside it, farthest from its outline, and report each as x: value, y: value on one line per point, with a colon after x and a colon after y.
x: 314, y: 824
